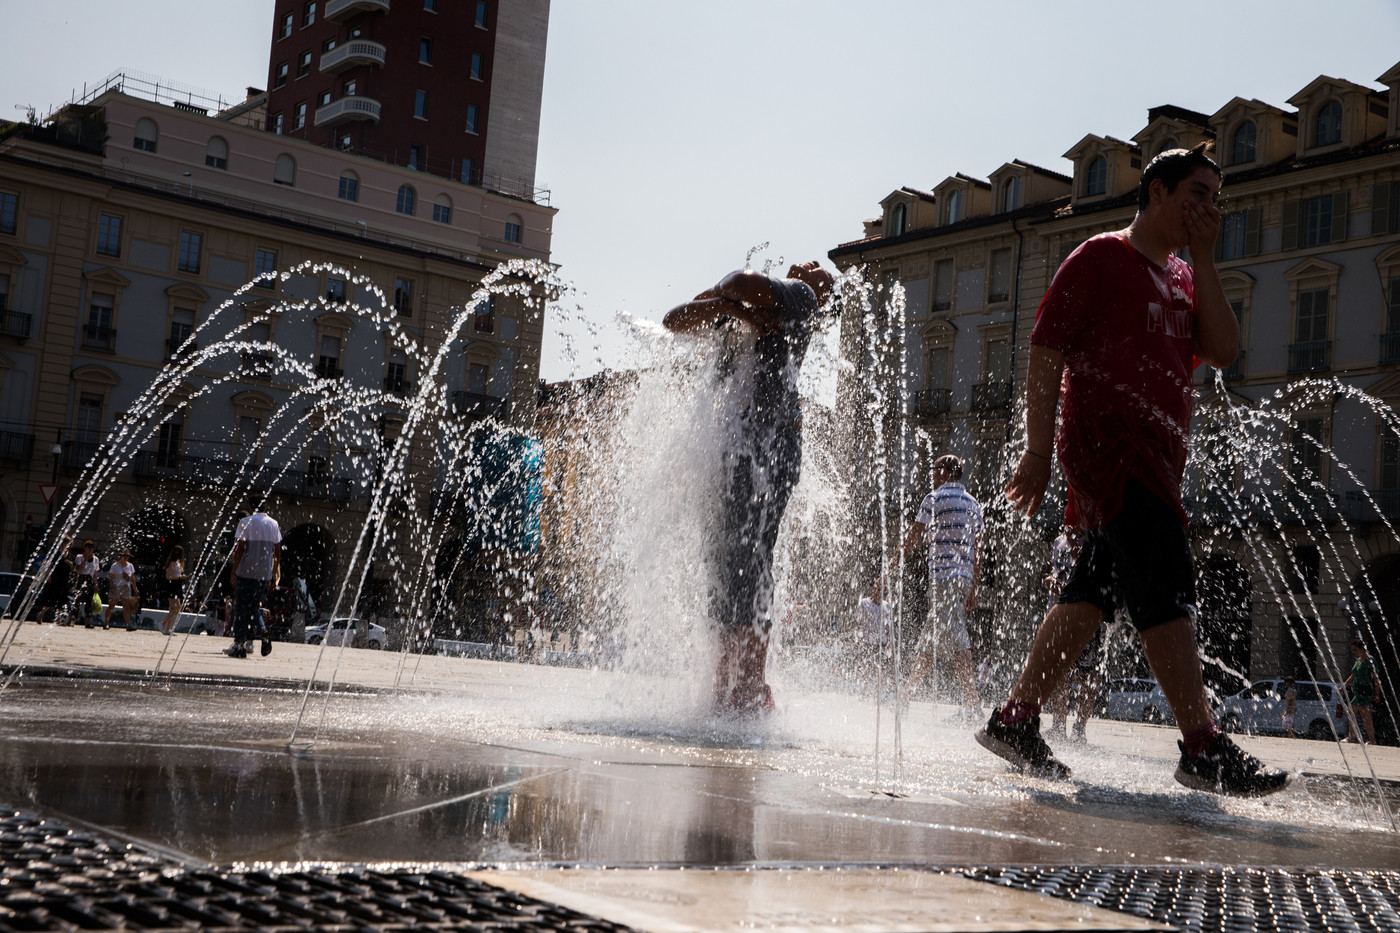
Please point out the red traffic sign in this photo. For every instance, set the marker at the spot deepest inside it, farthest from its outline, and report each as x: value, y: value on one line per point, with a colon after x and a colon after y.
x: 48, y: 491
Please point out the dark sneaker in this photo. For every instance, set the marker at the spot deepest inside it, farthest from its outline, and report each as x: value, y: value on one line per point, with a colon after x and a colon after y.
x: 1226, y: 769
x: 1020, y: 743
x: 266, y: 645
x: 236, y: 650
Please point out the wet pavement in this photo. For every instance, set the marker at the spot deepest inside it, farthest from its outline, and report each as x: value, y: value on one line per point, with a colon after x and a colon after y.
x: 513, y: 771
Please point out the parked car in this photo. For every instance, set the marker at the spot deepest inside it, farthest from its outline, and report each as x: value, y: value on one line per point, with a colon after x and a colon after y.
x: 1136, y: 699
x: 375, y: 638
x: 12, y: 587
x: 1258, y: 709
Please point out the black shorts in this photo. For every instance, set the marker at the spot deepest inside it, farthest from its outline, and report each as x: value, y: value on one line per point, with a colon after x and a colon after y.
x: 1140, y: 563
x: 755, y: 497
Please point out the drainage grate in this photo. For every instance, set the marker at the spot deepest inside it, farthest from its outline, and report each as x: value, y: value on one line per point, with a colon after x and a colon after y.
x: 1239, y: 900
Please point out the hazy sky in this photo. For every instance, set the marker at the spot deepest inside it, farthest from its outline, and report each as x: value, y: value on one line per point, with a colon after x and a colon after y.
x: 677, y: 135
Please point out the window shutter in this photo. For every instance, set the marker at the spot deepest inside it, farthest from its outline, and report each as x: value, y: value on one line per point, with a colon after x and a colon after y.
x: 1251, y: 231
x: 1381, y: 220
x: 1339, y: 216
x: 1290, y: 223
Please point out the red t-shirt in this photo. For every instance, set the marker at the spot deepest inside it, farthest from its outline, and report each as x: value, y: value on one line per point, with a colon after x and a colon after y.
x: 1127, y: 330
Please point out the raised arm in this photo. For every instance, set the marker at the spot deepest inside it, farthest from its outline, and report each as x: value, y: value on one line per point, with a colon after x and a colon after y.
x: 743, y: 296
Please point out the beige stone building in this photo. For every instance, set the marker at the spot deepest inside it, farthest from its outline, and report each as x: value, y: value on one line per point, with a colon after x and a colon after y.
x: 1293, y: 555
x: 130, y: 227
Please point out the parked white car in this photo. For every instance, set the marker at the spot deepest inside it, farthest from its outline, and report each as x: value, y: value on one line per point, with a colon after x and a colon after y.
x: 375, y: 638
x: 1258, y: 710
x: 1136, y: 699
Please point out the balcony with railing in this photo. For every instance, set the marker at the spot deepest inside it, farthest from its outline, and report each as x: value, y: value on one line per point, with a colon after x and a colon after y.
x: 931, y: 403
x: 1390, y: 347
x: 314, y: 484
x: 16, y: 447
x: 1382, y: 502
x: 991, y: 395
x: 474, y: 403
x: 1310, y: 356
x: 176, y: 348
x: 16, y: 324
x: 1235, y: 371
x: 76, y: 455
x: 399, y: 386
x: 348, y: 109
x: 344, y: 9
x: 99, y: 338
x: 352, y: 54
x: 328, y: 367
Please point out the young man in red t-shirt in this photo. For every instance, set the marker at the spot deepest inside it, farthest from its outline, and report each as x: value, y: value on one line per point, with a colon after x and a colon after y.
x: 1123, y: 325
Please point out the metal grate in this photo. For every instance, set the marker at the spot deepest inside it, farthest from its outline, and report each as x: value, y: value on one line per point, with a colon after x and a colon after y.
x: 1228, y: 900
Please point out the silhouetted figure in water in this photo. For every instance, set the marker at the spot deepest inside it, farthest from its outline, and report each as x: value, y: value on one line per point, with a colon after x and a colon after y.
x: 769, y: 322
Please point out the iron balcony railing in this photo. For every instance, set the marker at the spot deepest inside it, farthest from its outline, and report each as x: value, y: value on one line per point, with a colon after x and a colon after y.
x: 930, y: 403
x: 1383, y: 502
x: 176, y: 347
x: 474, y: 403
x: 328, y: 367
x: 16, y: 324
x: 1235, y: 370
x: 99, y: 338
x: 1390, y: 347
x: 314, y: 485
x: 399, y: 387
x: 17, y: 447
x: 1310, y: 356
x: 76, y: 455
x: 987, y: 395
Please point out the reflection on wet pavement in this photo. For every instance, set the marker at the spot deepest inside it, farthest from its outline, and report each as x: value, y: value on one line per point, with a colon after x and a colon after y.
x: 208, y: 773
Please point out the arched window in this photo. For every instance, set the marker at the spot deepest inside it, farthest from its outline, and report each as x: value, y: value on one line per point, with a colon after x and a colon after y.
x: 897, y: 219
x: 349, y: 187
x: 1242, y: 143
x: 1327, y: 128
x: 1011, y: 194
x: 145, y: 135
x: 407, y: 200
x: 442, y: 209
x: 284, y: 170
x: 513, y: 224
x: 954, y: 206
x: 1096, y: 178
x: 216, y: 153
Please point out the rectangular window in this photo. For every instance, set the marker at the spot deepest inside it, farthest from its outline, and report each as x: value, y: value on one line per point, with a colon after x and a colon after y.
x: 189, y: 252
x: 9, y: 212
x: 4, y: 292
x: 481, y: 13
x: 936, y: 367
x: 512, y: 232
x: 403, y: 296
x: 328, y: 363
x: 299, y: 116
x: 88, y: 423
x: 350, y: 88
x: 425, y: 51
x: 943, y: 285
x: 1000, y: 288
x: 442, y: 213
x: 286, y: 28
x: 395, y: 377
x: 468, y: 176
x: 304, y: 65
x: 109, y: 235
x: 485, y: 318
x: 281, y: 79
x: 181, y: 326
x: 344, y: 141
x: 998, y: 360
x: 1317, y: 221
x: 1307, y: 450
x: 476, y: 66
x: 1390, y: 461
x: 249, y: 429
x: 420, y: 104
x: 478, y: 378
x: 471, y: 118
x: 415, y: 161
x: 323, y: 98
x: 335, y: 289
x: 98, y: 334
x: 276, y: 121
x: 1312, y: 315
x: 349, y: 188
x: 1232, y: 236
x: 1392, y: 320
x: 308, y: 15
x: 430, y: 6
x: 265, y: 267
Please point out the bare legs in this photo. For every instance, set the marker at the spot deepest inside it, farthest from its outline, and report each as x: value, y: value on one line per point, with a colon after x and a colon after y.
x: 743, y: 662
x: 962, y: 667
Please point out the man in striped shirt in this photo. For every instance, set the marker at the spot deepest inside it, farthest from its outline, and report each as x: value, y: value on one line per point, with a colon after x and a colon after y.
x: 951, y: 521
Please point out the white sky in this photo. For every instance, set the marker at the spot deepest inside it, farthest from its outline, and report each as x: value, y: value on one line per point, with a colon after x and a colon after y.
x: 678, y: 135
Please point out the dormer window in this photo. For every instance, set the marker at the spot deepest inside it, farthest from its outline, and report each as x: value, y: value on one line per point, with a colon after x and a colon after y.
x: 897, y: 220
x: 1327, y: 127
x: 1096, y: 176
x: 1168, y: 144
x: 1242, y: 144
x: 955, y: 206
x: 1011, y: 194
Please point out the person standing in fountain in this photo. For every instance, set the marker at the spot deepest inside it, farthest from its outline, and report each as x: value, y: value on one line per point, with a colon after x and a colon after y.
x: 254, y: 568
x: 85, y: 567
x: 1361, y: 687
x: 1123, y: 324
x: 769, y: 321
x: 951, y: 521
